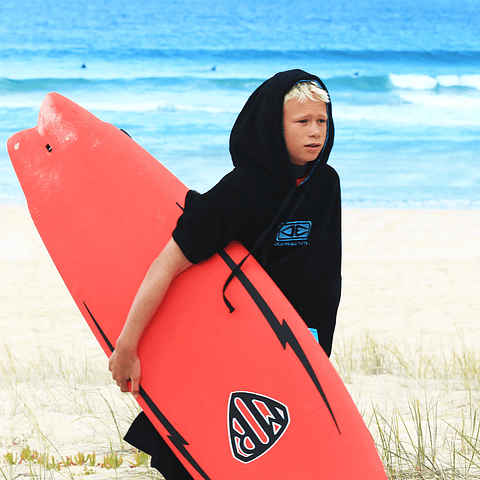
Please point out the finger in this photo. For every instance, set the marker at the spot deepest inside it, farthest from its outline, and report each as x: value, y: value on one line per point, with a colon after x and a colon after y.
x: 124, y: 384
x: 135, y: 387
x: 110, y: 362
x: 135, y: 378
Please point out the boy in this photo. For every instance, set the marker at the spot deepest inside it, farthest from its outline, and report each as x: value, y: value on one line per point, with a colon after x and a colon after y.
x: 281, y: 201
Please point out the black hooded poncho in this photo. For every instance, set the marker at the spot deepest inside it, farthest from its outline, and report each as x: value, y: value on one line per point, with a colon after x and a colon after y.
x: 294, y: 232
x: 301, y: 249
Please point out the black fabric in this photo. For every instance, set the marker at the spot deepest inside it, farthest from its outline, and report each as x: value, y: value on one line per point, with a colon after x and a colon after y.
x: 257, y: 141
x: 143, y: 435
x: 299, y: 171
x: 243, y: 205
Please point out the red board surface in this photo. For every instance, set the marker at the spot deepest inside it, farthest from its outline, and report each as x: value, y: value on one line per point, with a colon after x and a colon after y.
x: 242, y: 395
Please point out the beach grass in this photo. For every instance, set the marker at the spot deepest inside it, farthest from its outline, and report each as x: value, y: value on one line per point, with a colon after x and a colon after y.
x: 63, y: 417
x: 422, y: 408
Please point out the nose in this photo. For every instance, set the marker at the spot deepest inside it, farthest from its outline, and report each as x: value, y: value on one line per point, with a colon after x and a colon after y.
x: 316, y: 130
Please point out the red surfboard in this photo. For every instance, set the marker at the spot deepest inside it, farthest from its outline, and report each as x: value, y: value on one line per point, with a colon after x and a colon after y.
x: 248, y: 394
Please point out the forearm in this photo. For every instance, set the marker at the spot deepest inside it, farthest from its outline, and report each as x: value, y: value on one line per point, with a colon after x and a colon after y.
x: 124, y: 362
x: 170, y: 263
x: 146, y: 302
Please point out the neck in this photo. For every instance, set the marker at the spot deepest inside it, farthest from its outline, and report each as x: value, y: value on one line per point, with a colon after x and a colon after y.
x: 299, y: 171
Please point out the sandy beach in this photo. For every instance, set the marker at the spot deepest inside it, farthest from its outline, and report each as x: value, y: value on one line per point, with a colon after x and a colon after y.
x: 409, y: 286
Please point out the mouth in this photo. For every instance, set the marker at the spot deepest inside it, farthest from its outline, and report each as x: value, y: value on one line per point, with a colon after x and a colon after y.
x: 313, y: 145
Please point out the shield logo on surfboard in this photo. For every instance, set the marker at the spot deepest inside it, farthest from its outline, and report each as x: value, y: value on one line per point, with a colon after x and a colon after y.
x: 255, y: 424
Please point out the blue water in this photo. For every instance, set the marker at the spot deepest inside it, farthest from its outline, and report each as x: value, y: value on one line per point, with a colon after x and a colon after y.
x: 404, y: 78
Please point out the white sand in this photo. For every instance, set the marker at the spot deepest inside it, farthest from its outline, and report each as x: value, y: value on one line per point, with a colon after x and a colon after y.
x: 409, y: 278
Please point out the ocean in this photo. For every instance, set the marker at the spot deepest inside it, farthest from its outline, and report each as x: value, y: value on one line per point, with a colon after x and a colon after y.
x: 404, y: 78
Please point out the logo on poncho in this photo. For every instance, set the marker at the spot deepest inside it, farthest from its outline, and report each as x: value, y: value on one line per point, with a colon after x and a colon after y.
x: 255, y: 423
x: 292, y: 234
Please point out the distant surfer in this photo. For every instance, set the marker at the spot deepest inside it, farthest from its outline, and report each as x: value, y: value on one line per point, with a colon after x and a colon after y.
x: 281, y: 201
x: 209, y: 69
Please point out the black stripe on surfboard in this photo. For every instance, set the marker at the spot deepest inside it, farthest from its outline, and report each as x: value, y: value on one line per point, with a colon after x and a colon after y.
x: 102, y: 333
x: 173, y: 434
x: 281, y: 330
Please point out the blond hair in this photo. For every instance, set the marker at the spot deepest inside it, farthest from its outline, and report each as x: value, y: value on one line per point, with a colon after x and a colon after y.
x: 307, y: 89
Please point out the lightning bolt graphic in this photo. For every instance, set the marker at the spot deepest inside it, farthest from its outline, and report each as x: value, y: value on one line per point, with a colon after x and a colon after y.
x: 281, y: 330
x: 173, y: 435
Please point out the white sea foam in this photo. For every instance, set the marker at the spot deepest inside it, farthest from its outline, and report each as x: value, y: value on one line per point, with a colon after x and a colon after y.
x: 449, y: 80
x: 427, y: 82
x: 466, y: 106
x: 421, y: 109
x: 135, y: 105
x: 470, y: 81
x: 416, y: 82
x: 150, y: 107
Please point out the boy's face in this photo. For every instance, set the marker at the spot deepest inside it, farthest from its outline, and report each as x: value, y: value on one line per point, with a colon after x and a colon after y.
x: 304, y: 129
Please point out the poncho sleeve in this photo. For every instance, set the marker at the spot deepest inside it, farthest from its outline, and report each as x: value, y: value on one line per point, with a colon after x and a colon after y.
x: 212, y: 220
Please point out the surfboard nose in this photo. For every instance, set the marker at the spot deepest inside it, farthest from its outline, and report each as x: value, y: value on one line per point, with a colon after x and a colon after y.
x: 53, y: 122
x: 60, y: 123
x: 40, y: 155
x: 33, y: 151
x: 51, y: 132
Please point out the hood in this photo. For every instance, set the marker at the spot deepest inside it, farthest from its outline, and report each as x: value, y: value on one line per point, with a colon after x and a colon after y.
x: 257, y: 141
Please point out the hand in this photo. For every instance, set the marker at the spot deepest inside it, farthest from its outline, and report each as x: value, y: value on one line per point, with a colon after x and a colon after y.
x: 125, y: 367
